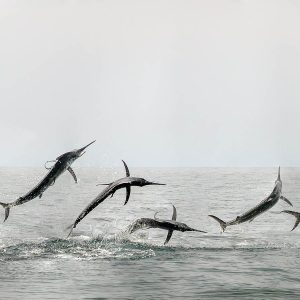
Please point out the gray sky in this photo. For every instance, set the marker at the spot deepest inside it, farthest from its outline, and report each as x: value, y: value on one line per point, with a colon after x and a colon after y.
x: 157, y: 83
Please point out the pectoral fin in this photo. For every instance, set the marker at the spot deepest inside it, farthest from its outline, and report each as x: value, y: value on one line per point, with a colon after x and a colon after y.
x: 40, y: 196
x: 72, y: 173
x: 170, y: 232
x: 128, y: 189
x: 286, y: 200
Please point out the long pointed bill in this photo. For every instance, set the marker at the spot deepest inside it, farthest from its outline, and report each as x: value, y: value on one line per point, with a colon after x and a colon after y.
x: 199, y: 230
x: 278, y: 177
x: 81, y: 149
x: 155, y: 183
x: 193, y: 229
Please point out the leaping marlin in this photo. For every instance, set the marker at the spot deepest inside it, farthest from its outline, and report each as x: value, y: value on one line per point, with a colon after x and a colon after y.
x: 170, y: 225
x: 262, y: 207
x: 126, y: 182
x: 62, y: 163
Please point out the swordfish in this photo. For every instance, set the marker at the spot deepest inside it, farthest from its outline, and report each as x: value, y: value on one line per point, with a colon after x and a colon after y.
x: 62, y: 163
x: 126, y: 182
x: 170, y: 225
x: 262, y: 207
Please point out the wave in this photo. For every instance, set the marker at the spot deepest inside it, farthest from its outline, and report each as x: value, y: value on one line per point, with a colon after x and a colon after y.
x: 123, y: 248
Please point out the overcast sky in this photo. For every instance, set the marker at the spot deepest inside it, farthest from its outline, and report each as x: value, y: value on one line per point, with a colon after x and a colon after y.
x: 157, y: 83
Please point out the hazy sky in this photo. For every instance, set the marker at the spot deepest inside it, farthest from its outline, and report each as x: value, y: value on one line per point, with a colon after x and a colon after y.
x: 157, y: 83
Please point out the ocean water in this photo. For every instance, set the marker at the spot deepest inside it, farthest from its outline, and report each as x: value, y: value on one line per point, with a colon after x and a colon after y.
x: 258, y: 260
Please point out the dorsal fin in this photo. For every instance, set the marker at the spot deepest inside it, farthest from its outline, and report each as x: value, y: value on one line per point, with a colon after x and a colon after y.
x: 174, y: 216
x: 126, y: 168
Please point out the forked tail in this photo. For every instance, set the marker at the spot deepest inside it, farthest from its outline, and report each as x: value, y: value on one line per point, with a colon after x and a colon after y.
x: 71, y: 227
x: 221, y: 222
x: 296, y: 215
x: 6, y: 207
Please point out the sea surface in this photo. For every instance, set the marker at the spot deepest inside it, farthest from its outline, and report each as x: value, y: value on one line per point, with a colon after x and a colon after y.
x: 257, y: 260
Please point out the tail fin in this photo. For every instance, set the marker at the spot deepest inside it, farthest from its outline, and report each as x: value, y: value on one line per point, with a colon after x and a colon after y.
x: 7, y: 208
x: 221, y: 222
x: 296, y: 215
x: 70, y: 227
